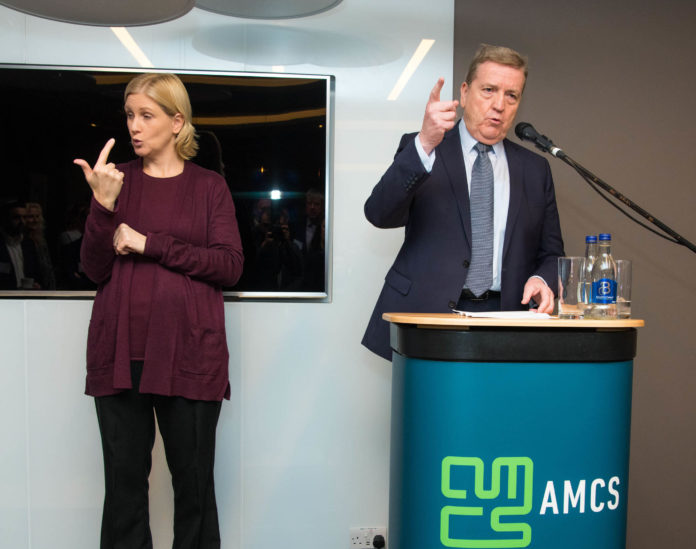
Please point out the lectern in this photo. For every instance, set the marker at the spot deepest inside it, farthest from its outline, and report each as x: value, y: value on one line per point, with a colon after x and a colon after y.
x: 509, y: 433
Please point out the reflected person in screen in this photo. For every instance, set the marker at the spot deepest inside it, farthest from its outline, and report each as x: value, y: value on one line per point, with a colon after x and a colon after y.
x: 161, y: 240
x: 35, y: 225
x: 310, y: 238
x: 427, y: 190
x: 19, y: 259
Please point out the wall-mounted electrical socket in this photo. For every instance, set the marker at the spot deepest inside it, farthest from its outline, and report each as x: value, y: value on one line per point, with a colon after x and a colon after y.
x: 368, y: 538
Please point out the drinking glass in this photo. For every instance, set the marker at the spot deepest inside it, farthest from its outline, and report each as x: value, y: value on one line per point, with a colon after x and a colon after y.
x: 570, y: 287
x: 623, y: 288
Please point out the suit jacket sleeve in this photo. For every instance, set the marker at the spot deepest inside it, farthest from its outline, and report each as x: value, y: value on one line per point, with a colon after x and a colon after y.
x: 551, y: 242
x: 389, y: 204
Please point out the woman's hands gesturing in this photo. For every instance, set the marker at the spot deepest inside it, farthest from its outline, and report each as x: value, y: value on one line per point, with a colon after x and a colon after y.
x: 104, y: 179
x: 127, y: 240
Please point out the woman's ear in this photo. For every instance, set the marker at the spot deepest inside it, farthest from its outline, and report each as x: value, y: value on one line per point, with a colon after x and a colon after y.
x: 177, y: 123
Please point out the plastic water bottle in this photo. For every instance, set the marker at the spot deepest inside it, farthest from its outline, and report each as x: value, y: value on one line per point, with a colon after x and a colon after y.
x: 590, y: 257
x: 604, y: 281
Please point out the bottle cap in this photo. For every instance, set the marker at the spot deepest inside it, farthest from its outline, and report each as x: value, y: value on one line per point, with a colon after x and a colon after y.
x: 590, y: 239
x: 605, y: 236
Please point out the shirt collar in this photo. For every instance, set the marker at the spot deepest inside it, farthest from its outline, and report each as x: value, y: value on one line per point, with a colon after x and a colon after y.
x: 468, y: 142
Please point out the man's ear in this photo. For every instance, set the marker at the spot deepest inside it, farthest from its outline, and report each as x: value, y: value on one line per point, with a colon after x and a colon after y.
x: 462, y: 94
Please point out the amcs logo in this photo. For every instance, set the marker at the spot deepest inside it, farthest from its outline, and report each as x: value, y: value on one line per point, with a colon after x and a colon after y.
x: 518, y: 496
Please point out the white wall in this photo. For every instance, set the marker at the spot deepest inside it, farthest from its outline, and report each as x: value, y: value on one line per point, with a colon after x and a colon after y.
x: 303, y: 445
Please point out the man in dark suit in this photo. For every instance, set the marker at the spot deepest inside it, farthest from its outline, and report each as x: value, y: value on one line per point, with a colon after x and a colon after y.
x: 432, y: 189
x: 19, y: 260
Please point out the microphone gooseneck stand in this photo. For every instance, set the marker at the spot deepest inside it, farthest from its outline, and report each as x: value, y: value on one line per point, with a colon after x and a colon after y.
x: 526, y: 132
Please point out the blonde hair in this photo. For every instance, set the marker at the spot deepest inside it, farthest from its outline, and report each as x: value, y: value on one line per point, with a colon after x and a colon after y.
x: 168, y: 91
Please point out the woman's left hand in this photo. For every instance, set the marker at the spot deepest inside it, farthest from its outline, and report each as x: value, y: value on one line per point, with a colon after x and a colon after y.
x: 127, y: 240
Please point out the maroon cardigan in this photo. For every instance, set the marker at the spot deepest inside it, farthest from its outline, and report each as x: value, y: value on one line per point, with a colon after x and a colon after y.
x: 186, y: 348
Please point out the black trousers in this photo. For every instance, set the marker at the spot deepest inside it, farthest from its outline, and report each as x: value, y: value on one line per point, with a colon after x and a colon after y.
x: 127, y: 426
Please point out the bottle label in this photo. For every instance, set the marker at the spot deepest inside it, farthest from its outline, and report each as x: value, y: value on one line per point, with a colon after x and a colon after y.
x: 604, y: 291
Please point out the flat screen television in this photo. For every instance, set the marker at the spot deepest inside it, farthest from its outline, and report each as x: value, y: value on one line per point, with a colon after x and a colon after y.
x: 270, y: 135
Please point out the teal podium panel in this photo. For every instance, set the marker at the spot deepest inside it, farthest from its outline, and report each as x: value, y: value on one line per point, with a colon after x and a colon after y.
x: 510, y: 453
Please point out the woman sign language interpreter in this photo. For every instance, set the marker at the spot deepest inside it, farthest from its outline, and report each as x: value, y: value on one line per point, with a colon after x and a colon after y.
x: 156, y: 339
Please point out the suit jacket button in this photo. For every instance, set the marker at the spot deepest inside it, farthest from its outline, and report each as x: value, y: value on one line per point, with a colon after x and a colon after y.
x: 452, y: 304
x: 466, y: 263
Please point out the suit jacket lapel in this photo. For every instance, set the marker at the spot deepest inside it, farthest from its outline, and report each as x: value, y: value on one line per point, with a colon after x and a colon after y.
x: 515, y: 167
x: 449, y: 152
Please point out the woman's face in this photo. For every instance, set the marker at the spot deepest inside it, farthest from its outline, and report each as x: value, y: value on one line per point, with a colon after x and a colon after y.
x: 151, y: 129
x: 32, y: 220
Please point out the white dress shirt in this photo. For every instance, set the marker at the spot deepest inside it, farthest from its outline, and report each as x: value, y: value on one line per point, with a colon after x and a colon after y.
x: 501, y: 190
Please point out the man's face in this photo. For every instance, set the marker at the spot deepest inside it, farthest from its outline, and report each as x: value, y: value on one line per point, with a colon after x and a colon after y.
x: 490, y: 103
x: 16, y: 221
x: 314, y: 207
x: 263, y: 211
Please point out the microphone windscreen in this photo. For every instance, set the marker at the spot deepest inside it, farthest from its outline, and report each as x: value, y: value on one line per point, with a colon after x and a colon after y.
x: 525, y: 131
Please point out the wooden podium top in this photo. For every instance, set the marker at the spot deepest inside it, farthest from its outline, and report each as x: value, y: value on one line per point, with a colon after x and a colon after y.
x: 453, y: 320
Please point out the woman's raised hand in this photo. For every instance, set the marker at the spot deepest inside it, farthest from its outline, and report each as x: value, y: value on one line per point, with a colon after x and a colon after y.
x: 104, y: 179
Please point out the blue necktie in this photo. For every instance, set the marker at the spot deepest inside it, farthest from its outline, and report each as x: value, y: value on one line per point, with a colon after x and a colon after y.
x: 480, y: 277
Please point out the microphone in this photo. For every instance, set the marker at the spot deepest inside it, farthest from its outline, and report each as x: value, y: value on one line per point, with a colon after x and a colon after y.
x: 526, y: 132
